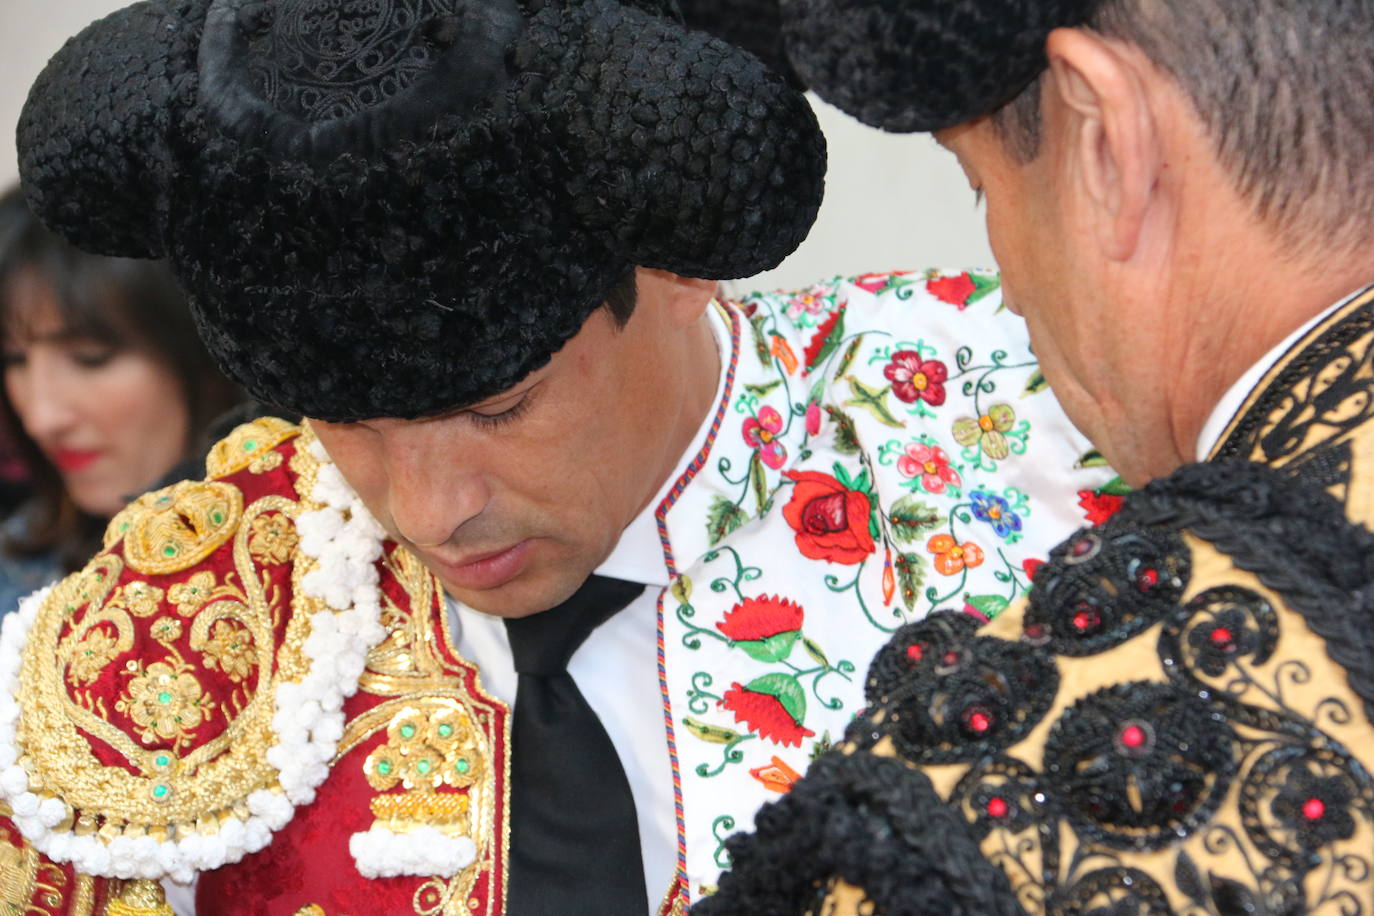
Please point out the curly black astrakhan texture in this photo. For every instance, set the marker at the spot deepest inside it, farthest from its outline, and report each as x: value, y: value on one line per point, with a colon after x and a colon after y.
x: 426, y: 235
x: 874, y: 822
x: 919, y: 65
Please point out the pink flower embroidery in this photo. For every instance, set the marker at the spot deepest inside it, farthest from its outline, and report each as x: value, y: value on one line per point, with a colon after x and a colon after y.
x: 914, y: 379
x: 931, y: 464
x: 813, y: 418
x: 761, y: 434
x: 812, y: 302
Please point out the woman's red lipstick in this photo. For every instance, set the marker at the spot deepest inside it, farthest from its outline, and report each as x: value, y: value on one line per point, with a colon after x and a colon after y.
x: 70, y: 460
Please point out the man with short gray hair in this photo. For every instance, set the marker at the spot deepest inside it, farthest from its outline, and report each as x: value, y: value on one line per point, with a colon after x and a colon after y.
x: 1178, y: 720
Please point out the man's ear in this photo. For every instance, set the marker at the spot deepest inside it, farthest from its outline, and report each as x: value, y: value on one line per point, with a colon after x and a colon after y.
x: 684, y: 298
x: 1112, y: 135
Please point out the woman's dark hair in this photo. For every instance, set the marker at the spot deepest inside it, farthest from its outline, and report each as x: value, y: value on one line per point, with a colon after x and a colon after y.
x: 129, y: 304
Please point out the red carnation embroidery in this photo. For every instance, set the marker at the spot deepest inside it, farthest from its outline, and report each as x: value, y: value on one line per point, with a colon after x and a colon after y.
x: 1098, y: 506
x: 812, y: 354
x: 766, y: 714
x: 954, y: 290
x: 760, y: 618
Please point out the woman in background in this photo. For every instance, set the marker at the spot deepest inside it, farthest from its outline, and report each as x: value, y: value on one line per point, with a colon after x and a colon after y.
x: 106, y: 387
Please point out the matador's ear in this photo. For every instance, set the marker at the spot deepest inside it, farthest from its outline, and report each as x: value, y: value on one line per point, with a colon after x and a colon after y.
x: 92, y: 137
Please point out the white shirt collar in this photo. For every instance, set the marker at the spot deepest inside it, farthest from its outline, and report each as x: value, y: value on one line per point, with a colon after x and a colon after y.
x: 1235, y: 396
x: 638, y: 555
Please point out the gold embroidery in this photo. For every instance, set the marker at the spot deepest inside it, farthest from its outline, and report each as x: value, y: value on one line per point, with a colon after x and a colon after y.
x: 165, y: 701
x: 139, y: 598
x: 426, y: 751
x: 230, y: 647
x: 195, y: 786
x: 174, y: 529
x: 191, y: 595
x: 92, y: 655
x: 273, y: 537
x: 166, y: 630
x: 140, y: 898
x: 250, y: 446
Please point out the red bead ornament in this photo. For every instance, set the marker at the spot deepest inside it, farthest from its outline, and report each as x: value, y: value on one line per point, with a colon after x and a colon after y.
x: 914, y: 653
x: 1314, y: 809
x: 978, y: 720
x: 1147, y: 579
x: 1086, y: 619
x: 1133, y: 737
x: 1222, y: 636
x: 951, y: 659
x: 997, y: 807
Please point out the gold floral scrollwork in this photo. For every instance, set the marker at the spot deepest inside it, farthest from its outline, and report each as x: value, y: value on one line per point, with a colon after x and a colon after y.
x: 191, y: 595
x: 272, y: 537
x: 173, y: 529
x: 165, y: 701
x: 230, y: 648
x: 138, y: 598
x: 250, y: 446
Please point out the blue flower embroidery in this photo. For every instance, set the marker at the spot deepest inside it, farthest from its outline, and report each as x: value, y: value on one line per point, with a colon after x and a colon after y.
x: 996, y: 511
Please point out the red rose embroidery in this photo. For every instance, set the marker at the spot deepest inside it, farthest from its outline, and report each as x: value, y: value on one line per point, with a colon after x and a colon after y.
x: 916, y: 379
x: 768, y: 714
x: 954, y: 290
x: 830, y: 519
x: 1098, y: 506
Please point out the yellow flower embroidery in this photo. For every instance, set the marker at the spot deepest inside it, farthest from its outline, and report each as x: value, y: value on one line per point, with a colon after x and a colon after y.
x: 230, y: 647
x: 989, y: 431
x: 93, y: 653
x: 165, y: 702
x: 190, y: 596
x: 166, y: 630
x: 273, y: 536
x: 140, y: 598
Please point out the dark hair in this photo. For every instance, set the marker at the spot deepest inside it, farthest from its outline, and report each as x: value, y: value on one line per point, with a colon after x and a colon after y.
x: 622, y: 298
x: 1282, y: 86
x: 131, y: 304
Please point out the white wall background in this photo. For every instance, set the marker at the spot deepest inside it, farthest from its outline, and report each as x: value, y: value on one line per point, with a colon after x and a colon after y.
x: 891, y: 201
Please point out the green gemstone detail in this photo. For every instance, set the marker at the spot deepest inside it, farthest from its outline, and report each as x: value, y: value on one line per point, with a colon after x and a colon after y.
x: 164, y: 697
x: 407, y: 732
x: 160, y: 791
x: 162, y: 760
x: 462, y: 766
x: 384, y: 767
x: 170, y: 550
x: 423, y: 767
x: 249, y: 445
x: 445, y: 730
x: 123, y: 527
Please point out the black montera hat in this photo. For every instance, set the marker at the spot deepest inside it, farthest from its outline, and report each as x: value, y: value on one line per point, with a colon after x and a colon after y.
x: 398, y: 207
x: 919, y: 65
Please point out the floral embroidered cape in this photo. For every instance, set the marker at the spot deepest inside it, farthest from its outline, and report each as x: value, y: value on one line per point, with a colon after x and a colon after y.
x: 886, y: 446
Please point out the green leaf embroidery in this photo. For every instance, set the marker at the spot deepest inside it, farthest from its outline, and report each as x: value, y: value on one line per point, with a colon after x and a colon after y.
x: 911, y: 575
x: 773, y: 649
x: 821, y: 745
x: 814, y: 650
x: 850, y: 352
x: 912, y: 518
x: 832, y: 340
x: 989, y: 605
x: 758, y: 482
x: 712, y: 733
x: 1091, y: 459
x: 787, y: 691
x: 1115, y: 487
x: 846, y: 436
x: 842, y: 475
x: 681, y: 589
x: 983, y: 286
x: 1036, y: 384
x: 762, y: 390
x: 761, y: 349
x: 874, y: 400
x: 722, y: 518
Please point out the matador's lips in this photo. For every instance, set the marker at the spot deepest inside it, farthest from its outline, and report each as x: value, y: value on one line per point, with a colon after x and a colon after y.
x: 485, y: 571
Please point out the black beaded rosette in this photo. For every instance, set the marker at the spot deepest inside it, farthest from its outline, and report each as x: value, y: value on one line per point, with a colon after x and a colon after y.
x: 399, y: 207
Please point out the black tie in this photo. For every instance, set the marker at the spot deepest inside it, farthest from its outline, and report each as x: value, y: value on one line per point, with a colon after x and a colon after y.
x: 574, y: 847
